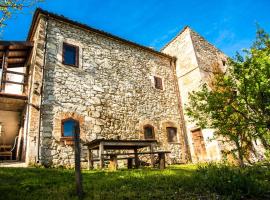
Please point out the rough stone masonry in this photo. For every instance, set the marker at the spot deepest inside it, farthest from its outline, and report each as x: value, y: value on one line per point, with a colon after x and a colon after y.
x: 111, y: 93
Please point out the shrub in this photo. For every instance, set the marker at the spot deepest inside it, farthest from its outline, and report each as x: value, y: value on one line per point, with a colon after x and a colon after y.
x: 234, y: 182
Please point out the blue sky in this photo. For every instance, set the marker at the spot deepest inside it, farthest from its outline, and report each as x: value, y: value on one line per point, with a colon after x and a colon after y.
x: 228, y: 24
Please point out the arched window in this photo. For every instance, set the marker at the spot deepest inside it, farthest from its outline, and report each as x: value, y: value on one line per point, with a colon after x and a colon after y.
x: 149, y: 132
x: 70, y: 127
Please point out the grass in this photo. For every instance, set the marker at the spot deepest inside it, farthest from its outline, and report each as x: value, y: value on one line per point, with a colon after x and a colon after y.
x: 177, y: 182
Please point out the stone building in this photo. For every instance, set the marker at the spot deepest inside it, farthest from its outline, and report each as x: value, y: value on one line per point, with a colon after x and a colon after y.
x: 68, y: 74
x: 196, y: 60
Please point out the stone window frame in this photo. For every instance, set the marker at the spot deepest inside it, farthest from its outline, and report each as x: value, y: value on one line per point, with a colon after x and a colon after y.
x: 168, y: 138
x: 62, y: 128
x: 155, y: 81
x: 174, y: 124
x: 73, y: 42
x: 153, y: 131
x: 77, y: 62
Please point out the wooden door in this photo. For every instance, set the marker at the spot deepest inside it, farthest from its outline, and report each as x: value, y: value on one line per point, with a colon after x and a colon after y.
x: 199, y: 145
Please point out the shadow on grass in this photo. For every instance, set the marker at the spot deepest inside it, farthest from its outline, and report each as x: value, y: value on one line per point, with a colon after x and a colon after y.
x: 175, y: 183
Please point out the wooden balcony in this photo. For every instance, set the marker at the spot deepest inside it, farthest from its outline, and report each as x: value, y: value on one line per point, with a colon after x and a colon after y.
x: 14, y: 70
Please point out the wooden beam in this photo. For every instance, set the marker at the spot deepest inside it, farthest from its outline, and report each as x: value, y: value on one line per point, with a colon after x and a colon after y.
x: 90, y: 159
x: 129, y: 163
x: 13, y: 82
x: 152, y: 155
x: 4, y: 68
x: 14, y: 65
x: 101, y: 157
x: 136, y: 158
x: 161, y: 159
x: 18, y: 73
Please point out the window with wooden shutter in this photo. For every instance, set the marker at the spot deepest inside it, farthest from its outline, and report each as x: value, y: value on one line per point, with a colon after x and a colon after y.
x: 158, y: 83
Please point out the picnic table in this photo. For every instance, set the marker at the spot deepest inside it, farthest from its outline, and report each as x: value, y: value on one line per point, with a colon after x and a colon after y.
x: 102, y: 145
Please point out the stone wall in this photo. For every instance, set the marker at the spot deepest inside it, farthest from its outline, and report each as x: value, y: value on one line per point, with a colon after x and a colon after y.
x: 196, y: 60
x: 111, y: 94
x: 209, y: 58
x: 31, y: 130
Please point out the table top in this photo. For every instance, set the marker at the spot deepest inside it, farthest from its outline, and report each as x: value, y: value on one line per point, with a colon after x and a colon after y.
x: 119, y: 144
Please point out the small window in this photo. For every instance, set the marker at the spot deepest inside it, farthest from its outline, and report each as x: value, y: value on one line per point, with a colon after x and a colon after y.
x: 223, y: 62
x: 70, y: 55
x: 149, y: 132
x: 172, y: 134
x: 69, y: 127
x: 158, y: 83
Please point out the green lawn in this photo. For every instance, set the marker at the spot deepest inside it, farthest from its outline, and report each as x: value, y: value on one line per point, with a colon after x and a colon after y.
x: 177, y: 182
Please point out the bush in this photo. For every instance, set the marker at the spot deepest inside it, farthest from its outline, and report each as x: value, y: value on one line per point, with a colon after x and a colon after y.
x: 235, y: 182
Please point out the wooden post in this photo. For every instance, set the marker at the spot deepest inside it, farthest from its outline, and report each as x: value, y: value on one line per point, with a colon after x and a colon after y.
x: 161, y: 159
x: 78, y: 174
x: 129, y: 163
x: 101, y: 158
x: 152, y: 156
x: 136, y: 158
x: 25, y: 80
x: 4, y: 69
x: 90, y: 159
x: 113, y: 163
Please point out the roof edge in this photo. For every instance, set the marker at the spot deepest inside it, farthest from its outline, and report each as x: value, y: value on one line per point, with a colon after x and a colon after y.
x: 40, y: 11
x: 204, y: 39
x: 14, y: 42
x: 174, y: 38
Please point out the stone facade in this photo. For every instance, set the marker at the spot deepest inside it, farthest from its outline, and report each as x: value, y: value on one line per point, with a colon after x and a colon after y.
x: 111, y: 93
x: 32, y: 122
x: 196, y: 60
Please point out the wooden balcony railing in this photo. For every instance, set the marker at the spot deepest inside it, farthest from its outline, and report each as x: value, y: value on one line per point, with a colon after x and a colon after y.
x: 14, y: 57
x: 13, y: 82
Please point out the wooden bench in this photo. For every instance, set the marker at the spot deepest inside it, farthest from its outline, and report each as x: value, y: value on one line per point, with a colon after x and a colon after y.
x: 114, y: 157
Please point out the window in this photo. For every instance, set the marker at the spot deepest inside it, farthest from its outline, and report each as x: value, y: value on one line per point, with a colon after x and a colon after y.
x: 158, y: 82
x: 70, y: 55
x: 69, y: 127
x: 172, y: 134
x: 149, y: 132
x: 223, y: 62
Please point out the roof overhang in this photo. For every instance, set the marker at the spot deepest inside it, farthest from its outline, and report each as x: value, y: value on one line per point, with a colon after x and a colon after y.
x: 16, y: 52
x: 12, y: 102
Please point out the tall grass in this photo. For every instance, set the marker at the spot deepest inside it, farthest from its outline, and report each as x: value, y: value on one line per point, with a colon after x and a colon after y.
x: 235, y: 182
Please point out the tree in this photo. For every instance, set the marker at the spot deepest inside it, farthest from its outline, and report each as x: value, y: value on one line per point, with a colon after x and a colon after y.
x: 237, y: 103
x: 9, y: 7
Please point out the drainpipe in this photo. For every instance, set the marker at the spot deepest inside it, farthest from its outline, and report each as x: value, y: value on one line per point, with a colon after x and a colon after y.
x: 42, y: 89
